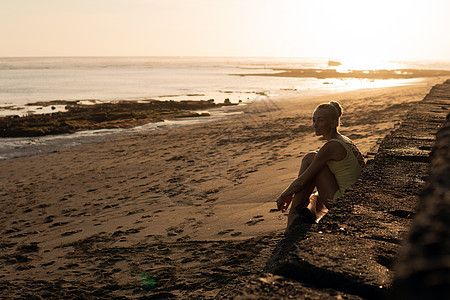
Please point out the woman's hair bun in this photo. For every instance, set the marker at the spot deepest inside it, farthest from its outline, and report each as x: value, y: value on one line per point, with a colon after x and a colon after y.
x: 337, y: 106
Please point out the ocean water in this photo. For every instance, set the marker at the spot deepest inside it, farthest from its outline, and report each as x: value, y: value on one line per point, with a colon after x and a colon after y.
x: 29, y: 80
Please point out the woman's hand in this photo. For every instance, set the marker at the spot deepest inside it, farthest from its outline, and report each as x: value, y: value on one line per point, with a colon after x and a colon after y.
x: 284, y: 201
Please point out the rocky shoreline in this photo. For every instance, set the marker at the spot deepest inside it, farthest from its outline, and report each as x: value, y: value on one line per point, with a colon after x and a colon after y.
x: 352, y: 253
x: 122, y: 114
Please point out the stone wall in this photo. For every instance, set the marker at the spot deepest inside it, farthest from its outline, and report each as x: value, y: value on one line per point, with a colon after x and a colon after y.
x: 423, y: 270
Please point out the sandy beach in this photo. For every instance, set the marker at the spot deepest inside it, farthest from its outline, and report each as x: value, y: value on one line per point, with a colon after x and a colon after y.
x: 189, y: 207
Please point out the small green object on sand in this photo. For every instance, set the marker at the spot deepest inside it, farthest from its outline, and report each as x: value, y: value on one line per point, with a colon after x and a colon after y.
x: 147, y: 281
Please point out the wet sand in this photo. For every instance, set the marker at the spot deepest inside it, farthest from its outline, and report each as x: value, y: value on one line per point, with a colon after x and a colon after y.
x: 192, y: 207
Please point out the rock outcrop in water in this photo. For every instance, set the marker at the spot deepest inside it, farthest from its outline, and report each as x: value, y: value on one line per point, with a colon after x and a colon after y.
x: 123, y: 114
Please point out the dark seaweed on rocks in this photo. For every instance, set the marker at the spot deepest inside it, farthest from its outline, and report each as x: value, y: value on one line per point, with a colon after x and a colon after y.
x: 122, y: 114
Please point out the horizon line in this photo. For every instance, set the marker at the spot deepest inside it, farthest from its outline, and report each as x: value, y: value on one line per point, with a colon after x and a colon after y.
x: 223, y: 56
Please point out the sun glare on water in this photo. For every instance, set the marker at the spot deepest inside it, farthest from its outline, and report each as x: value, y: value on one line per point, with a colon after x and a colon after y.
x: 365, y: 64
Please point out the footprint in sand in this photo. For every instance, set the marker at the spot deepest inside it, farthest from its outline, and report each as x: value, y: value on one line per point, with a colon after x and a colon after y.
x: 58, y: 224
x: 48, y: 264
x: 27, y: 248
x: 254, y: 222
x: 173, y: 231
x: 225, y: 231
x: 135, y: 211
x: 68, y: 233
x: 49, y: 219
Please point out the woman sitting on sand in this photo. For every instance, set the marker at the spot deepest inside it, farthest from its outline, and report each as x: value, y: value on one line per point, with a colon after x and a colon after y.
x: 331, y: 170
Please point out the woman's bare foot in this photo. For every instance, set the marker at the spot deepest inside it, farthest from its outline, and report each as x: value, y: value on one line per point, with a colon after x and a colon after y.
x: 317, y: 208
x: 320, y: 213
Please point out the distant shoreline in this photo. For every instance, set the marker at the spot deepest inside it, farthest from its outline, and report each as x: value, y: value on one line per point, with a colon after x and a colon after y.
x: 355, y: 74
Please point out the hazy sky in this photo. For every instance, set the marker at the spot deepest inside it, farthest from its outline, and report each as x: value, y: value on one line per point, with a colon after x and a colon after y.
x: 339, y: 29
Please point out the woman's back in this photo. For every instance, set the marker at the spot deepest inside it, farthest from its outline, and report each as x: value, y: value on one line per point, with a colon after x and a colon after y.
x: 348, y: 169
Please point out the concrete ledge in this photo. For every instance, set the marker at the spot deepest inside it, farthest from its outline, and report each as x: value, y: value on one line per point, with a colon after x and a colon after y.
x: 423, y: 270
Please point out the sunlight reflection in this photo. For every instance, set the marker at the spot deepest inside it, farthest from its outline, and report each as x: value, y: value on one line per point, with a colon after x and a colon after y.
x: 364, y: 64
x: 356, y: 83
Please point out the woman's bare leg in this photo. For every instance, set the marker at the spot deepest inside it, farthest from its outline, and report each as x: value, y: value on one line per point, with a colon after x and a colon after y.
x: 300, y: 199
x: 326, y: 185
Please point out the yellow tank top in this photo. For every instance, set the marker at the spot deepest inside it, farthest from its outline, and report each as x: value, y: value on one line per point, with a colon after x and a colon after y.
x: 347, y: 170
